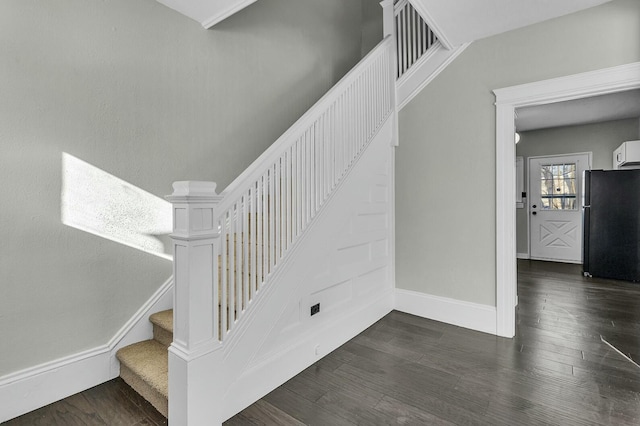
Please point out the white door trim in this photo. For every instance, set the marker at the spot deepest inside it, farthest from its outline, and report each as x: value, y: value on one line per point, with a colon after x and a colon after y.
x: 577, y: 86
x: 537, y: 157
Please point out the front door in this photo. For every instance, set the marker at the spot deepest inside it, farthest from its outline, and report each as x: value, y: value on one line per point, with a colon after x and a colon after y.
x: 555, y: 211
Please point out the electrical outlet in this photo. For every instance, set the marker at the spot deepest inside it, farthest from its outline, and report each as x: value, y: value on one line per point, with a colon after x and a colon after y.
x: 315, y: 309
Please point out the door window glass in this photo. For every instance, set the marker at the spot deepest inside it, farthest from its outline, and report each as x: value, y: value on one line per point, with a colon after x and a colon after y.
x: 558, y: 186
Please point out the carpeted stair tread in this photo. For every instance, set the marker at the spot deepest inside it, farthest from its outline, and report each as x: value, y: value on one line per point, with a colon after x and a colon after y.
x: 149, y: 361
x: 163, y: 319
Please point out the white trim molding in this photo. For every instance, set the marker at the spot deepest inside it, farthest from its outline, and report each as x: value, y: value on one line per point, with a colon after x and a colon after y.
x: 577, y: 86
x: 29, y: 389
x: 432, y: 24
x: 207, y: 12
x: 420, y: 74
x: 524, y: 256
x: 469, y: 315
x: 35, y: 387
x: 225, y: 13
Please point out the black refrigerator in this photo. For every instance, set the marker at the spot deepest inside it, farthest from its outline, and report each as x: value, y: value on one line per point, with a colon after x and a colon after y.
x: 611, y: 224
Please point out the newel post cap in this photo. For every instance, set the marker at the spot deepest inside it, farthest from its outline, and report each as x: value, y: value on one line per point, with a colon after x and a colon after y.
x: 194, y: 188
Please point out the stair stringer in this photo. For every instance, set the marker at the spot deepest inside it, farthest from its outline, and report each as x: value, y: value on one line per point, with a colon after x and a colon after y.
x: 344, y: 262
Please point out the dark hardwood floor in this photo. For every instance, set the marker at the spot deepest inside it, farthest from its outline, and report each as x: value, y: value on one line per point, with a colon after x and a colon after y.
x: 408, y: 370
x: 111, y: 403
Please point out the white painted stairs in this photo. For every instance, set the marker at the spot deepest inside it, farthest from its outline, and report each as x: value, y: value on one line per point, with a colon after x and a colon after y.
x: 144, y: 365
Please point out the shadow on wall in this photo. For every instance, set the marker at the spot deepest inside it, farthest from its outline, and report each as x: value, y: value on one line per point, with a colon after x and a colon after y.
x: 97, y: 202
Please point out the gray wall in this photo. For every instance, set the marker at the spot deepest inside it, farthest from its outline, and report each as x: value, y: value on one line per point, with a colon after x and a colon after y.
x: 445, y: 164
x: 600, y: 139
x: 150, y: 97
x: 371, y: 25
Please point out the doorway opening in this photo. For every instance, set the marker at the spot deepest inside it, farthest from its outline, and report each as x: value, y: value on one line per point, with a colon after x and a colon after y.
x: 578, y: 86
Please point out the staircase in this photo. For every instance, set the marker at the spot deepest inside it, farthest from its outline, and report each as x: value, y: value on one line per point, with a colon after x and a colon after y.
x: 295, y: 257
x: 144, y: 365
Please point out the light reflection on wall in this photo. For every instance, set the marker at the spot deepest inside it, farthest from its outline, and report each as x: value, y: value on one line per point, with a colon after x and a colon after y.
x: 101, y: 204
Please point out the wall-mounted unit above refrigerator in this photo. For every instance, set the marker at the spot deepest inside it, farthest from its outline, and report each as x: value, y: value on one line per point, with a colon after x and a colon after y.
x: 627, y: 156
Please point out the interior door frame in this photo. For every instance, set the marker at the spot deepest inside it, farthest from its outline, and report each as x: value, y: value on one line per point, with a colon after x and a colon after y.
x: 577, y: 86
x: 528, y: 185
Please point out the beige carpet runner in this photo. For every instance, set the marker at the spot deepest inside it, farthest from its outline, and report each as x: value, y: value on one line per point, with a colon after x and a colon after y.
x: 144, y: 365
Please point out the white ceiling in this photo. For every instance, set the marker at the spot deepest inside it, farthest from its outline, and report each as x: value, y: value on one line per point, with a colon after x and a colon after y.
x: 455, y: 21
x: 462, y: 21
x: 615, y: 106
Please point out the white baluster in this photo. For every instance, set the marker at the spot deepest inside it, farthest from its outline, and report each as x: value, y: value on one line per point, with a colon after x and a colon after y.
x: 277, y: 211
x: 312, y: 171
x: 419, y: 36
x: 414, y: 35
x: 259, y: 234
x: 308, y: 176
x: 405, y: 40
x: 246, y: 241
x: 299, y: 186
x: 321, y: 158
x: 254, y: 239
x: 233, y: 263
x: 290, y: 197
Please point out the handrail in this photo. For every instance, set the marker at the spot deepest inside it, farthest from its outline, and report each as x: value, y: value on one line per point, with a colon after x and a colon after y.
x: 263, y: 212
x: 270, y: 153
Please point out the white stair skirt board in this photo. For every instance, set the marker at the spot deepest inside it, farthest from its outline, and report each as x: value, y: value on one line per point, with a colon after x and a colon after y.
x: 285, y: 364
x: 35, y: 387
x: 343, y: 263
x: 432, y: 63
x: 469, y: 315
x: 523, y: 256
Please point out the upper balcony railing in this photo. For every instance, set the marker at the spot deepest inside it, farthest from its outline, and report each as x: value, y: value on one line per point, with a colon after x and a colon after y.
x: 413, y: 36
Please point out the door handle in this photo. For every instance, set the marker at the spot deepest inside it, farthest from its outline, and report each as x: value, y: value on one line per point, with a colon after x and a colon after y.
x: 534, y: 213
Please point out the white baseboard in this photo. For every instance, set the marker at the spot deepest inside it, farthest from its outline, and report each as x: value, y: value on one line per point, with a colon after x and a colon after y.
x: 522, y: 256
x: 451, y: 311
x: 35, y: 387
x: 29, y: 389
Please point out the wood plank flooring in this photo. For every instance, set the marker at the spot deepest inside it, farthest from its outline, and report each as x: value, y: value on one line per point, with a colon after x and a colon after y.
x: 413, y: 371
x: 111, y: 403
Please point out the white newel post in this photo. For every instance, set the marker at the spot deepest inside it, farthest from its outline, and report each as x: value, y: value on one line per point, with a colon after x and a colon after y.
x: 388, y: 17
x: 195, y: 342
x: 388, y: 29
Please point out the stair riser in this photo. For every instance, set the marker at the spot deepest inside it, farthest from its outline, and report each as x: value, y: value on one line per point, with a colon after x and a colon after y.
x: 162, y: 336
x: 154, y: 397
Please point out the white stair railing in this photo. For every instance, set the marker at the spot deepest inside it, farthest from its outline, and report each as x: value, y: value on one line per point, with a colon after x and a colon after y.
x: 228, y: 246
x: 413, y: 36
x: 263, y: 212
